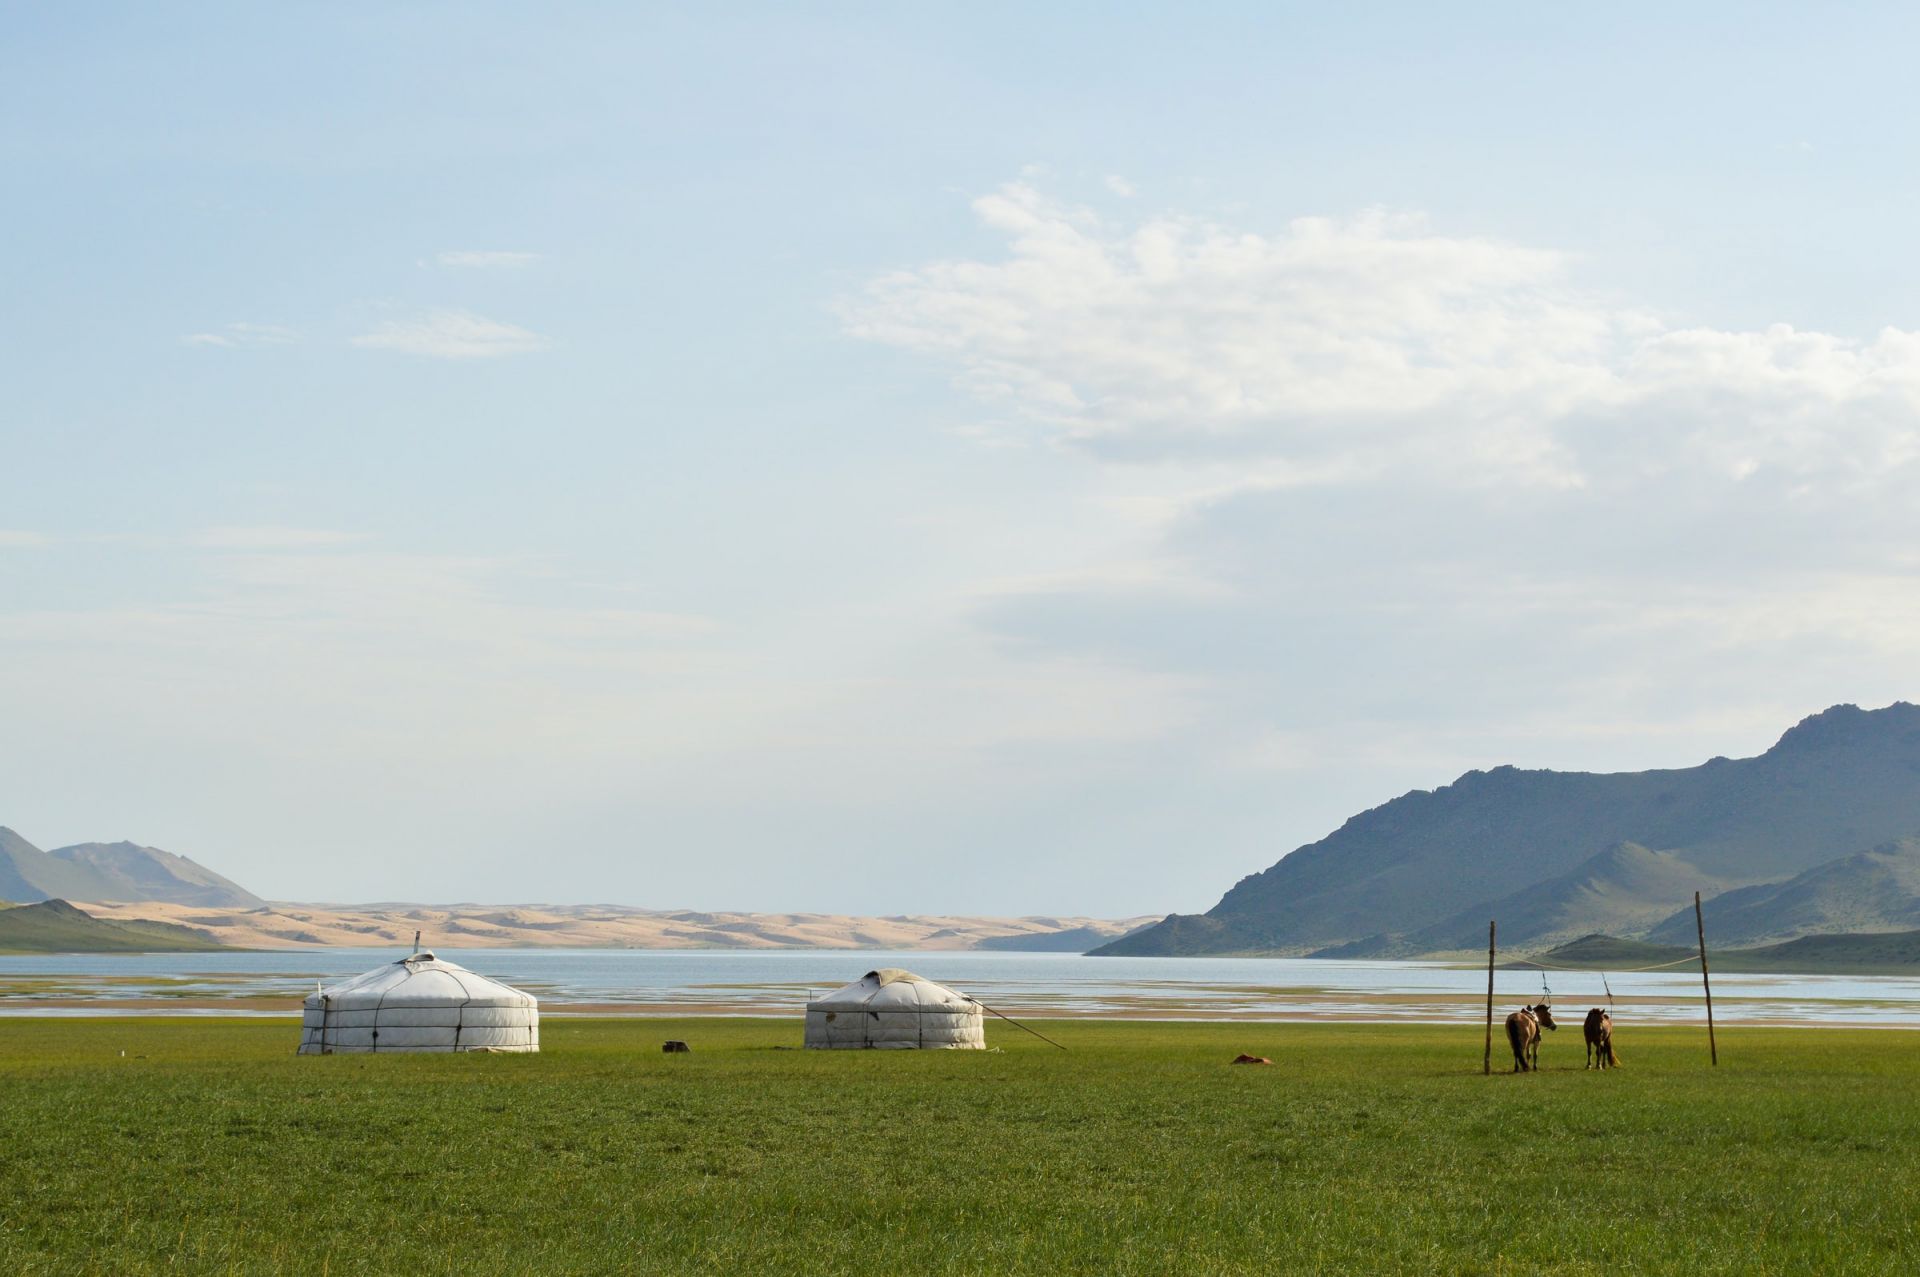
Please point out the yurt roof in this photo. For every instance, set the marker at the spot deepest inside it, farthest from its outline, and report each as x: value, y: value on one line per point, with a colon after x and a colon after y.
x: 420, y: 980
x: 893, y: 987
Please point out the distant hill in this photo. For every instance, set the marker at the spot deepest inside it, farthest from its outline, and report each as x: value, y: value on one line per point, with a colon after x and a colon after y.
x: 1612, y: 953
x: 1878, y: 953
x: 54, y: 926
x: 1070, y: 940
x: 111, y: 873
x: 1896, y: 953
x: 1876, y: 890
x: 1561, y: 853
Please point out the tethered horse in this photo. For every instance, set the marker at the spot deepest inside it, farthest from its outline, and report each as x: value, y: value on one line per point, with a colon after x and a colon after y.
x: 1523, y: 1035
x: 1599, y: 1031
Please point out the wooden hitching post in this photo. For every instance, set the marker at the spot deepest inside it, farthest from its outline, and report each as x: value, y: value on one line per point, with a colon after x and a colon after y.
x: 1700, y: 925
x: 1486, y: 1061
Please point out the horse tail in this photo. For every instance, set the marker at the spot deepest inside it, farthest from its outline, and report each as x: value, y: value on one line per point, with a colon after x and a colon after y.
x: 1613, y: 1059
x: 1513, y: 1035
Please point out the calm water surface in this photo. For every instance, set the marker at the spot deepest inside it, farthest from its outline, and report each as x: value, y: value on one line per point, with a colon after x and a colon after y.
x: 778, y: 983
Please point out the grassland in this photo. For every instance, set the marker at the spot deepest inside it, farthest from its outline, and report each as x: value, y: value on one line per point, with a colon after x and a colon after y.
x: 208, y: 1147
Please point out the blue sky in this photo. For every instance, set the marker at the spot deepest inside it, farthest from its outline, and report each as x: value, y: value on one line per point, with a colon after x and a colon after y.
x: 978, y: 458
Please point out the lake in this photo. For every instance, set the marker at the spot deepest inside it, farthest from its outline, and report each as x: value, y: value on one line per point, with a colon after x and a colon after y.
x: 778, y: 982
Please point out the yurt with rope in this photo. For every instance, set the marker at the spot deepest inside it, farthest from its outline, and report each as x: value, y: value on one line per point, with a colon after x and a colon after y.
x: 419, y: 1003
x: 895, y: 1010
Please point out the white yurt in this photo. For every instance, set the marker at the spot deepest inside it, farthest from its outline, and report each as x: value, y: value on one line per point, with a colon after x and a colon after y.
x: 419, y: 1004
x: 891, y: 1009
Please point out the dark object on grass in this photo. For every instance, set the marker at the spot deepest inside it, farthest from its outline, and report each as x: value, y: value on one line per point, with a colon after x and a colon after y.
x: 675, y: 1047
x: 1251, y: 1059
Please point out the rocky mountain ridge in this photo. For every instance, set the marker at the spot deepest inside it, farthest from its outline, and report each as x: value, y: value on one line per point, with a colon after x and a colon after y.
x: 1554, y: 855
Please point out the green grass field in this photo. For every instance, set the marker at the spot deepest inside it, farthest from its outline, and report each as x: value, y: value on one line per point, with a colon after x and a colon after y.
x: 211, y: 1148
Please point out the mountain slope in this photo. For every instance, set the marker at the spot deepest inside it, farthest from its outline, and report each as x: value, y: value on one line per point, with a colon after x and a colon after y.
x: 1839, y: 781
x: 128, y: 871
x: 115, y: 872
x: 54, y: 926
x: 1870, y: 891
x: 1623, y: 890
x: 28, y: 873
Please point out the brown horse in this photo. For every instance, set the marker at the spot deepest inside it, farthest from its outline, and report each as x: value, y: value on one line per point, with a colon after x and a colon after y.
x: 1599, y: 1030
x: 1523, y: 1035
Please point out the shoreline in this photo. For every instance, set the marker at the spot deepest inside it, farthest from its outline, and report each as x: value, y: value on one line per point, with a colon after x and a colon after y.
x: 1426, y: 1011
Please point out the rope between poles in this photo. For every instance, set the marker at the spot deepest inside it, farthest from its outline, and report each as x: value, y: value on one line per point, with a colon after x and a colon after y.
x: 1530, y: 962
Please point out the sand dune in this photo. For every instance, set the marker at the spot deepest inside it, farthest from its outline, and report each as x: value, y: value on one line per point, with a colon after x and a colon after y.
x: 284, y: 925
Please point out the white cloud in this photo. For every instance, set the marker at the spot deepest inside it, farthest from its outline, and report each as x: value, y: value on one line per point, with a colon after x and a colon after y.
x: 486, y: 260
x: 271, y: 537
x: 19, y: 539
x: 1120, y: 186
x: 244, y: 334
x: 452, y: 334
x: 1342, y: 348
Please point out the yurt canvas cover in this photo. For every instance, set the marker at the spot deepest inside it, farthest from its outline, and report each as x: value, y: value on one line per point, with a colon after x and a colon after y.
x: 419, y: 1004
x: 891, y: 1009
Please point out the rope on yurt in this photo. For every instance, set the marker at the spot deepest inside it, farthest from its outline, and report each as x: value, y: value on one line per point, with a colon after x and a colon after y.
x: 1015, y: 1023
x: 375, y: 1048
x: 459, y: 1012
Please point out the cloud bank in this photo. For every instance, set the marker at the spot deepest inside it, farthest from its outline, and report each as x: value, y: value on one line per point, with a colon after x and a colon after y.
x: 1420, y: 491
x: 244, y: 335
x: 1343, y: 349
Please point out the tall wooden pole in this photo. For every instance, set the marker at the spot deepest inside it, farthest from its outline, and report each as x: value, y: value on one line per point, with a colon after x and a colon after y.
x: 1700, y: 925
x: 1486, y: 1061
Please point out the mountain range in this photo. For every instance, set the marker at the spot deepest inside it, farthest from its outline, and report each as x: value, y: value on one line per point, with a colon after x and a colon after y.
x: 125, y: 884
x: 1820, y: 833
x: 111, y: 872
